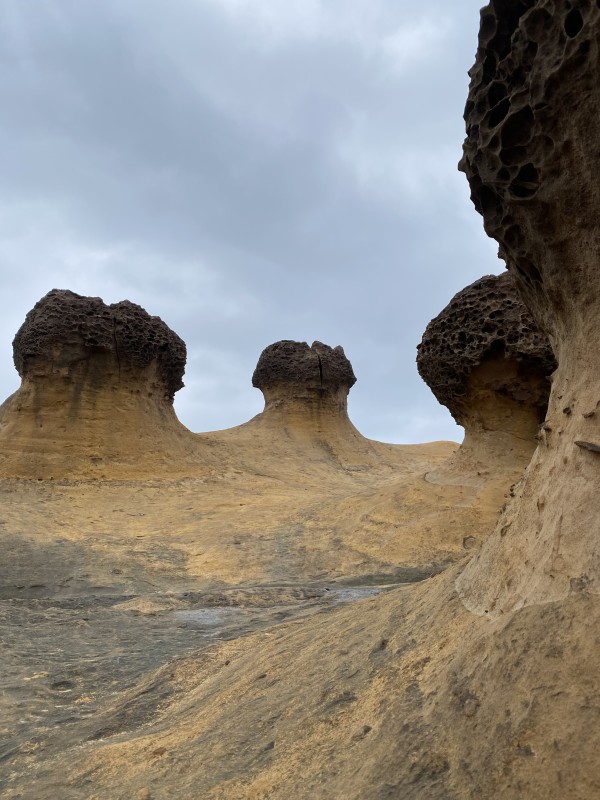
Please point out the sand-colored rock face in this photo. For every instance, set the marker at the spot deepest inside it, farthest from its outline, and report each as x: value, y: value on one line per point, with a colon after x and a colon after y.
x: 486, y: 360
x: 257, y: 503
x: 403, y: 696
x: 531, y: 159
x: 96, y: 394
x: 306, y: 392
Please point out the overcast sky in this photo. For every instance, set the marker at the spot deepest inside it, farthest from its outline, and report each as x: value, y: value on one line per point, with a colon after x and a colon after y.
x: 248, y: 170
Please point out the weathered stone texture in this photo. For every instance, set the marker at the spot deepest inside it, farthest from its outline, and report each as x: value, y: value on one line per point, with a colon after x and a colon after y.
x: 483, y: 321
x: 67, y: 328
x: 531, y: 153
x: 289, y: 363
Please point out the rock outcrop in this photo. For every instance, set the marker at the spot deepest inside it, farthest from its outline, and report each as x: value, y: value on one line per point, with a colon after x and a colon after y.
x: 305, y: 423
x: 96, y: 395
x: 292, y: 372
x: 67, y: 336
x: 410, y: 694
x: 486, y: 360
x: 531, y: 158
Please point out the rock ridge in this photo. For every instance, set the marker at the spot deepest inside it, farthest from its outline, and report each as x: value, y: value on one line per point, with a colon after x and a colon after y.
x: 531, y: 158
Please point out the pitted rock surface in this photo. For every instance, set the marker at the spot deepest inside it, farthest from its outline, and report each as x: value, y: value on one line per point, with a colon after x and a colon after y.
x: 531, y: 152
x: 68, y: 328
x: 318, y: 367
x: 485, y: 320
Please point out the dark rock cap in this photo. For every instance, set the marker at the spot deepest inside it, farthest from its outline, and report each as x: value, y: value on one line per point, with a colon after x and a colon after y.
x: 296, y: 364
x: 485, y: 320
x: 68, y: 328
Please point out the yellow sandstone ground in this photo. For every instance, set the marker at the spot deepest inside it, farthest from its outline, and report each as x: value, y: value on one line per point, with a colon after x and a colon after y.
x: 290, y: 501
x: 169, y: 600
x: 406, y: 695
x: 299, y: 500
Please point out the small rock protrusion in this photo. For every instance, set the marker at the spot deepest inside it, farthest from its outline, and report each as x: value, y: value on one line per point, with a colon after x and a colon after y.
x: 590, y: 446
x: 362, y: 733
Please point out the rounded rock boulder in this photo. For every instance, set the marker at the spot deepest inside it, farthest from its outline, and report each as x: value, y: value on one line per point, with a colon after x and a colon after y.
x: 484, y: 322
x: 65, y: 329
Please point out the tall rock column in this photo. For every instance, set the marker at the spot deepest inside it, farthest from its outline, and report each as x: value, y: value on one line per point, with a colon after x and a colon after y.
x: 532, y: 159
x: 306, y: 403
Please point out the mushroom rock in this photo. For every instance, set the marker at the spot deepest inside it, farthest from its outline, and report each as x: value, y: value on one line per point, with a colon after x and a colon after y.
x: 306, y: 399
x: 531, y: 158
x: 486, y: 360
x: 305, y: 428
x: 96, y: 394
x: 294, y: 375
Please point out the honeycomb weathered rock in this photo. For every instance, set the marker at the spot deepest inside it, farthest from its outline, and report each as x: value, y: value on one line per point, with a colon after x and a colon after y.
x: 483, y: 321
x: 531, y: 152
x: 295, y: 364
x: 67, y: 328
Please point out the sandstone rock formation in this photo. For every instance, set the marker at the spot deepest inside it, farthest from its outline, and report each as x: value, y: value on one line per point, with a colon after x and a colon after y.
x: 66, y: 334
x: 486, y: 360
x: 305, y: 418
x: 292, y: 372
x: 410, y: 694
x: 531, y: 160
x: 96, y: 394
x: 260, y: 502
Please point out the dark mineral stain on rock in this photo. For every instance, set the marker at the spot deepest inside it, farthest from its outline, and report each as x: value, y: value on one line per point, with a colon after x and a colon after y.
x: 289, y: 363
x: 65, y: 328
x: 486, y: 320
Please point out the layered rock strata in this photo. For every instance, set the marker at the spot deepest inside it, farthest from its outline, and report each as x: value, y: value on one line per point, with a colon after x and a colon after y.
x: 96, y: 394
x: 531, y: 158
x: 486, y: 360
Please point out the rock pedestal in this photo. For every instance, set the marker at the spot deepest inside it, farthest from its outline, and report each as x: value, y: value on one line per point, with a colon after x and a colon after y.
x: 305, y: 419
x: 96, y: 394
x: 486, y: 360
x: 294, y: 377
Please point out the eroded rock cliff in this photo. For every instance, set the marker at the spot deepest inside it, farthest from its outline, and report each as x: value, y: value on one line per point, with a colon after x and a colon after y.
x: 531, y: 159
